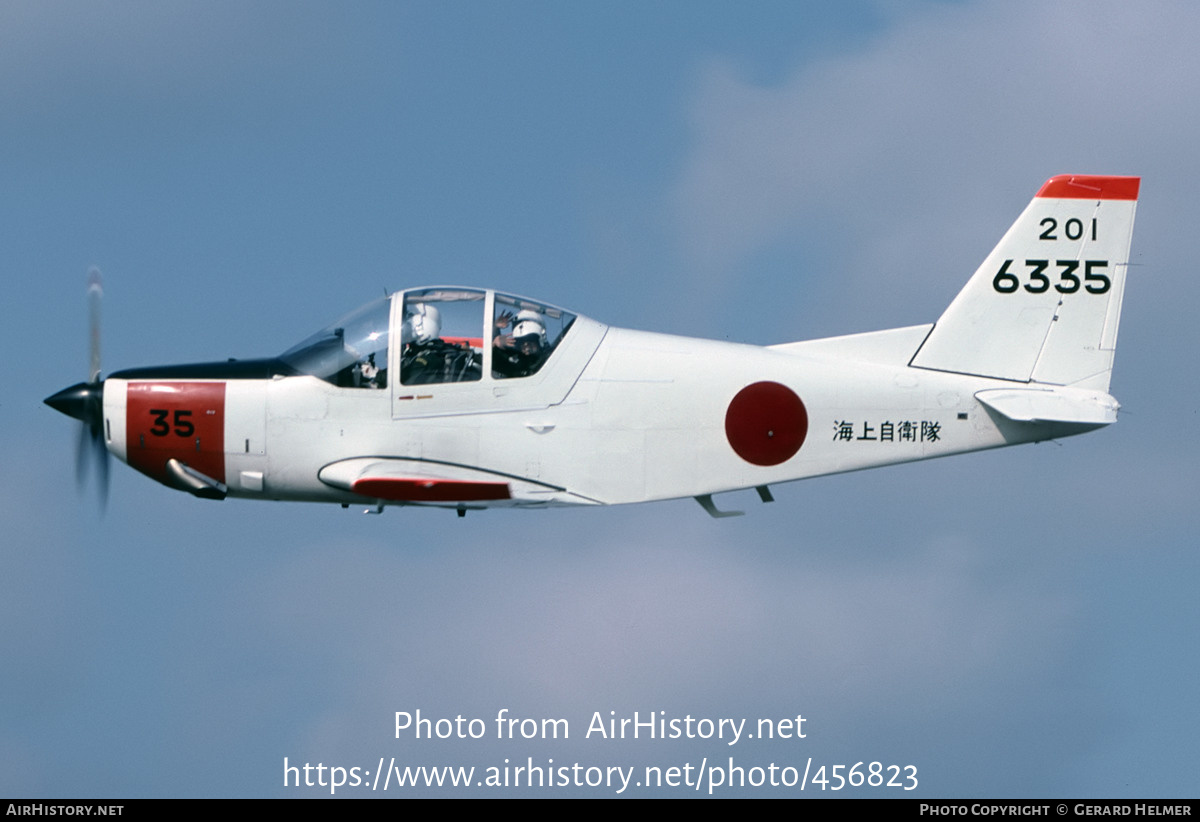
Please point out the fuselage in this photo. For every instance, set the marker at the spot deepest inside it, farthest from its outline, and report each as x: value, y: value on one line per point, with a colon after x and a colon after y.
x: 612, y: 416
x: 468, y: 398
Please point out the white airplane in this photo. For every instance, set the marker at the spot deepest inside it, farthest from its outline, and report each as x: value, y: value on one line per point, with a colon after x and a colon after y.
x: 470, y: 398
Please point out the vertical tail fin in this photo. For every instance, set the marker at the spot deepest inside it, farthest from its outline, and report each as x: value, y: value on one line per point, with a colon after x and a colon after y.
x: 1044, y: 305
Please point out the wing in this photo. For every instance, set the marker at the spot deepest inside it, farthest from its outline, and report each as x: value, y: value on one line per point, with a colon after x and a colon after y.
x: 428, y: 482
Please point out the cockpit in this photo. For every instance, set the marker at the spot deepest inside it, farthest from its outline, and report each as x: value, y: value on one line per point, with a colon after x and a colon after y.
x: 351, y: 352
x: 445, y: 335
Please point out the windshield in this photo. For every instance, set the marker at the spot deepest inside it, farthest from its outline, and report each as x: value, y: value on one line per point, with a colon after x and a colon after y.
x: 350, y: 353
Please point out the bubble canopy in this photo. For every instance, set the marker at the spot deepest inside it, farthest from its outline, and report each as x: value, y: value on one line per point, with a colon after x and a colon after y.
x: 464, y: 335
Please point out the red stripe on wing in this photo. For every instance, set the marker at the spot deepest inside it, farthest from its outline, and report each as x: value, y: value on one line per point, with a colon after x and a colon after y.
x: 430, y: 490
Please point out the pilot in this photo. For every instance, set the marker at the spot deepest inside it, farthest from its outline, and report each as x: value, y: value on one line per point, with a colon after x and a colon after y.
x: 521, y: 353
x: 422, y: 325
x: 427, y: 358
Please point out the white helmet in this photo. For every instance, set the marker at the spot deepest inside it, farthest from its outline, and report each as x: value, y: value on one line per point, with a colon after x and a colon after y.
x: 423, y: 323
x: 529, y: 323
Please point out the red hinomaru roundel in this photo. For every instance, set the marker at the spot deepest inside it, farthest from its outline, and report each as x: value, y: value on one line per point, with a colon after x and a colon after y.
x: 766, y: 423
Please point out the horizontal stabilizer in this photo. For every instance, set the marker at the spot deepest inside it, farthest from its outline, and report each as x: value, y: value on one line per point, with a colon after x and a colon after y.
x: 1051, y: 405
x: 895, y: 346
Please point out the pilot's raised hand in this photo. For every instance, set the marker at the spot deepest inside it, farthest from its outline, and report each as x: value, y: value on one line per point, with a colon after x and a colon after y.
x: 503, y: 340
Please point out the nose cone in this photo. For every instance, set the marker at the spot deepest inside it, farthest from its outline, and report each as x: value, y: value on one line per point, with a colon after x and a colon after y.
x: 83, y: 401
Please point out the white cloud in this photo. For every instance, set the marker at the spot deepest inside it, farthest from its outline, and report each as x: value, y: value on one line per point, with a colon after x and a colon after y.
x: 693, y: 623
x: 905, y: 161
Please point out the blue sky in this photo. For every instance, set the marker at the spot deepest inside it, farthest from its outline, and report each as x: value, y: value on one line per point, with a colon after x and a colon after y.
x: 1015, y: 623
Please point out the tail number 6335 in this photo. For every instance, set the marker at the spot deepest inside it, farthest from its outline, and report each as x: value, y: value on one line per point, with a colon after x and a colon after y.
x: 1068, y: 273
